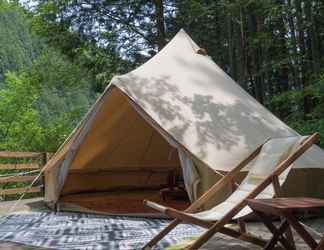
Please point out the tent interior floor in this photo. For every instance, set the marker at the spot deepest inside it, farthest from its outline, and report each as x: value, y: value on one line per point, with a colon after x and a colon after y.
x: 123, y: 202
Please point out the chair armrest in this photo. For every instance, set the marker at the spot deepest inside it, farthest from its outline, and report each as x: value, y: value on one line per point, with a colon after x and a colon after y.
x: 155, y: 206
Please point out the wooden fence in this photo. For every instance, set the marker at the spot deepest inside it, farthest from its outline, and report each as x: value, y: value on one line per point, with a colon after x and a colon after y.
x: 20, y: 169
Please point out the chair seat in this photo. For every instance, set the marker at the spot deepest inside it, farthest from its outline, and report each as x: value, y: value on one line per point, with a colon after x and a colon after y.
x: 213, y: 214
x: 217, y: 213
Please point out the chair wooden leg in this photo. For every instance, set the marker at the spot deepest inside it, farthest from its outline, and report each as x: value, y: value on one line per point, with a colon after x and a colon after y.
x: 160, y: 235
x: 301, y: 230
x: 289, y: 236
x: 320, y: 245
x: 278, y: 234
x: 242, y: 225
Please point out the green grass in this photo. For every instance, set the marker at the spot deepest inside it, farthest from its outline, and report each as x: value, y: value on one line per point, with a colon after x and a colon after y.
x: 182, y: 244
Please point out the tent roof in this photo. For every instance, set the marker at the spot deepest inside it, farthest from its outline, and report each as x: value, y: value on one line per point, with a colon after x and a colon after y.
x: 202, y: 108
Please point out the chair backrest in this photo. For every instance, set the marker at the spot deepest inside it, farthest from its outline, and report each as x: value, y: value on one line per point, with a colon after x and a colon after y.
x: 273, y: 152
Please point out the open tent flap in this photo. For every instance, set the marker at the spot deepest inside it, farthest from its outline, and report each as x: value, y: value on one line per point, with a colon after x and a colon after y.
x: 189, y: 169
x: 190, y: 175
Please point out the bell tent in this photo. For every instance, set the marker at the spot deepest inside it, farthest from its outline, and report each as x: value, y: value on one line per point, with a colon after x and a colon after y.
x: 178, y: 117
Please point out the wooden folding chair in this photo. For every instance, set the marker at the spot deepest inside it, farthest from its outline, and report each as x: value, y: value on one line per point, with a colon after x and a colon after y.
x: 320, y: 245
x: 218, y: 225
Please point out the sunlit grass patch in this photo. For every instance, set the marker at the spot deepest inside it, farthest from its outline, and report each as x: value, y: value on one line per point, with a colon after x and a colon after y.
x: 183, y: 244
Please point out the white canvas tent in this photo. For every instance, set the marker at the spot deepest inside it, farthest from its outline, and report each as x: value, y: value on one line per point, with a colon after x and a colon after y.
x: 177, y: 111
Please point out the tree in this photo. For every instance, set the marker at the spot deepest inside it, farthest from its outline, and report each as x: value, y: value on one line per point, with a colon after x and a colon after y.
x: 19, y: 123
x: 127, y: 26
x: 40, y: 107
x: 18, y: 46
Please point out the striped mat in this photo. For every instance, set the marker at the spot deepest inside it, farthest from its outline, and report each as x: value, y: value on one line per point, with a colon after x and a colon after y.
x: 87, y: 231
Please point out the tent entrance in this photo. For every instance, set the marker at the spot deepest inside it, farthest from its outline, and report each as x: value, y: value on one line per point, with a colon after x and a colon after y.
x: 126, y: 196
x: 122, y: 161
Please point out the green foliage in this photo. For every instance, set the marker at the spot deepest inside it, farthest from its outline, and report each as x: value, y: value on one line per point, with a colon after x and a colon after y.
x: 44, y: 94
x: 65, y: 95
x: 56, y: 34
x: 39, y: 108
x: 18, y: 46
x: 289, y: 106
x: 127, y: 27
x: 19, y: 123
x: 101, y: 64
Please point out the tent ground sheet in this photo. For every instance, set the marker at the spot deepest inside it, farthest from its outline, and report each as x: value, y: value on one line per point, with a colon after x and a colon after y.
x: 87, y: 231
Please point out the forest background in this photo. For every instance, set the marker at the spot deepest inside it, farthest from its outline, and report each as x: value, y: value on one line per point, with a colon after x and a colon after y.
x: 57, y: 57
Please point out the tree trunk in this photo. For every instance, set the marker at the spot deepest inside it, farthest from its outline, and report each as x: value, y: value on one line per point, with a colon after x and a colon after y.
x: 161, y: 37
x: 311, y: 39
x: 284, y: 66
x: 231, y: 50
x: 294, y: 61
x: 256, y: 53
x: 242, y: 59
x: 302, y: 47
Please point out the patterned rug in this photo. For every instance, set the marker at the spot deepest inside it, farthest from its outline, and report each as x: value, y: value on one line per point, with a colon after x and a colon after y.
x: 88, y: 231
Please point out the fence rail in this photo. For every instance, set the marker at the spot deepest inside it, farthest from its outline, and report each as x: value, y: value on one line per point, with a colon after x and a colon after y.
x: 11, y: 191
x: 9, y: 154
x: 16, y: 179
x: 10, y: 166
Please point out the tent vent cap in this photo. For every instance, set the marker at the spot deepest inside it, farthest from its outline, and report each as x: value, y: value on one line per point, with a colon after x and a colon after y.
x: 202, y: 51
